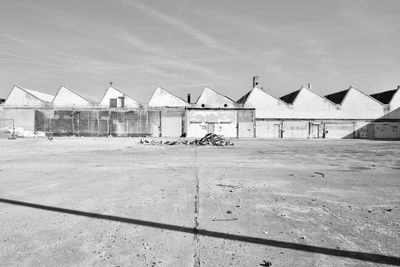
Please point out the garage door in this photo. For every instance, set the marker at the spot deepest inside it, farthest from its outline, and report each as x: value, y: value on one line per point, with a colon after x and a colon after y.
x: 171, y: 124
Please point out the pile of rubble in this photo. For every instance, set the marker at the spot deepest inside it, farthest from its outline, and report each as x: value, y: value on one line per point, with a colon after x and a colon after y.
x: 209, y: 139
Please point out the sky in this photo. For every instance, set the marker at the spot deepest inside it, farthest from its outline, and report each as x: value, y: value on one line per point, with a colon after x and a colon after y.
x: 184, y: 45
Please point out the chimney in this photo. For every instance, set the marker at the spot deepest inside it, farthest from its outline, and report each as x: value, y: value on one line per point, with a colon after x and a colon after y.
x: 309, y: 86
x: 188, y: 98
x: 110, y: 83
x: 256, y: 81
x: 398, y: 87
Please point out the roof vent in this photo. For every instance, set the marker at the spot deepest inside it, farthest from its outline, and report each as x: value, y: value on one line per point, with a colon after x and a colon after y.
x: 309, y: 86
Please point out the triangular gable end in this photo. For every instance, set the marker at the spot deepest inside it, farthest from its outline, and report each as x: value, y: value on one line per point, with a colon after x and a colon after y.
x: 316, y: 96
x: 67, y: 97
x: 249, y: 97
x: 385, y: 97
x: 20, y: 96
x: 42, y: 96
x: 353, y: 89
x: 163, y: 98
x: 112, y: 92
x: 291, y: 97
x: 211, y: 98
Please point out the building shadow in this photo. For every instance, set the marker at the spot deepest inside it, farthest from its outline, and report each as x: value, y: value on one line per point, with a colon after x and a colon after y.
x: 386, y: 127
x: 362, y: 256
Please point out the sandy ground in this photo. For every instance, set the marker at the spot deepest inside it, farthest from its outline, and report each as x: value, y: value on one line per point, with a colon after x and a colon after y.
x: 114, y: 202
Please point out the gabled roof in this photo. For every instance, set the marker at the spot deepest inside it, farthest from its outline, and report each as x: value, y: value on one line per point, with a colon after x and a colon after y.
x: 290, y: 98
x: 42, y: 97
x: 386, y: 96
x: 339, y: 97
x: 209, y: 91
x: 244, y: 98
x: 162, y: 97
x: 111, y: 88
x: 78, y: 95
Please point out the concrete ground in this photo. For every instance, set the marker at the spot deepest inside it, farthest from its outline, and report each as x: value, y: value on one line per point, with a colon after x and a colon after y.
x: 114, y: 202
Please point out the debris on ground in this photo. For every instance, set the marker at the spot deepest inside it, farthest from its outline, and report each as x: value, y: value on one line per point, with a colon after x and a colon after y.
x: 20, y: 132
x: 266, y: 263
x: 224, y: 220
x: 226, y: 185
x: 209, y: 139
x: 320, y: 173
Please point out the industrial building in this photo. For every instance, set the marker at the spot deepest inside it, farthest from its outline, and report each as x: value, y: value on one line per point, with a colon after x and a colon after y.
x: 303, y: 113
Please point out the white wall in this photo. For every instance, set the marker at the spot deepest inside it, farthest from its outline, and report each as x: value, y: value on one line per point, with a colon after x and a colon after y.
x: 19, y: 97
x: 68, y: 98
x: 113, y: 93
x: 162, y: 98
x: 356, y: 105
x: 211, y: 99
x: 225, y: 122
x: 309, y: 105
x: 266, y: 105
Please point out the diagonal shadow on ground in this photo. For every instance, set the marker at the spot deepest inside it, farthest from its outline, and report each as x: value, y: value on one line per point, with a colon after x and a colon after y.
x: 363, y: 256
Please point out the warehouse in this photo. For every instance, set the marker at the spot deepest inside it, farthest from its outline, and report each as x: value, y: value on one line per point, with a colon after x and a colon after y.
x: 301, y: 114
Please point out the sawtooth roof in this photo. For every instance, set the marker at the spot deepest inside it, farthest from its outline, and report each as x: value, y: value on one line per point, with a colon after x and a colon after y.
x: 385, y: 97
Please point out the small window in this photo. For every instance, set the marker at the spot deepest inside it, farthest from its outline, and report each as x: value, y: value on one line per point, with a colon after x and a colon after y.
x: 225, y: 105
x: 202, y: 105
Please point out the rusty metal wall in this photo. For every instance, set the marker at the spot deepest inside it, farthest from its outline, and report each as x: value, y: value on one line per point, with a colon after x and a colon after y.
x: 97, y: 122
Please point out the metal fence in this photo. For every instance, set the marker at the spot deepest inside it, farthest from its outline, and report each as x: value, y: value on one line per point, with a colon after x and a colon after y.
x: 7, y: 128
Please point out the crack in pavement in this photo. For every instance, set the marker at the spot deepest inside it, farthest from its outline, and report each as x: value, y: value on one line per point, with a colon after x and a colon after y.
x: 196, y: 254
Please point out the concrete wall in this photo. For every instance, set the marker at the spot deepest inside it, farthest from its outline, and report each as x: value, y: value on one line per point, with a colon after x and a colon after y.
x: 268, y: 128
x: 98, y: 122
x: 200, y: 122
x: 295, y: 129
x: 387, y: 130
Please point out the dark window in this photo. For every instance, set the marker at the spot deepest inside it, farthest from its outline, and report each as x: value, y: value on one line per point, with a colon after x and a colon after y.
x: 225, y: 105
x: 202, y: 105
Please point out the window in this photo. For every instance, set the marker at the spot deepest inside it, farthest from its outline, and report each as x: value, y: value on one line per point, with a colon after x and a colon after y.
x: 225, y: 105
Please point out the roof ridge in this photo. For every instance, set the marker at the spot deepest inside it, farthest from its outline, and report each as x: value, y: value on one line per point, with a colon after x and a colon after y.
x: 26, y: 90
x: 73, y: 91
x: 352, y: 87
x: 207, y: 87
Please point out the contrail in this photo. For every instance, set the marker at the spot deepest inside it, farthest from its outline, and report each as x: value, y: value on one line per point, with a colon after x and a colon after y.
x: 173, y: 26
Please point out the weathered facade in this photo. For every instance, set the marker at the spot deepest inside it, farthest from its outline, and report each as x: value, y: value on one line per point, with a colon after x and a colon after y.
x: 230, y: 122
x: 300, y: 114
